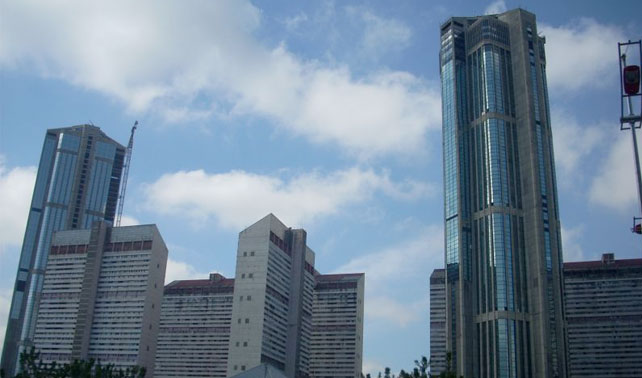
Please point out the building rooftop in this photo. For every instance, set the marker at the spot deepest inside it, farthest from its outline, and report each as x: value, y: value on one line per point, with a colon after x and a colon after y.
x: 217, y: 283
x: 608, y: 261
x: 339, y: 276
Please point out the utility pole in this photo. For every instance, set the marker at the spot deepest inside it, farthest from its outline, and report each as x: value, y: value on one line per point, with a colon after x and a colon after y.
x: 630, y: 91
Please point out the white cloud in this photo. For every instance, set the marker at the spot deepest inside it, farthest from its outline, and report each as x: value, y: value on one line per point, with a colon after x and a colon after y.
x: 190, y: 62
x: 389, y: 272
x: 382, y: 34
x: 16, y: 188
x: 372, y: 367
x: 615, y: 184
x: 581, y: 54
x: 571, y: 247
x: 5, y: 303
x: 127, y: 220
x: 236, y: 199
x: 293, y: 23
x: 572, y: 144
x: 496, y: 7
x: 179, y: 270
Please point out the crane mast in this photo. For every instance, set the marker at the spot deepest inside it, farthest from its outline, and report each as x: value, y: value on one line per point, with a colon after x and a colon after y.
x: 123, y: 186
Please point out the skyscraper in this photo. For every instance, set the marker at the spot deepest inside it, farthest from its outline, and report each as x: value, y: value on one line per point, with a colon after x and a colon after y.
x: 502, y: 231
x: 77, y: 183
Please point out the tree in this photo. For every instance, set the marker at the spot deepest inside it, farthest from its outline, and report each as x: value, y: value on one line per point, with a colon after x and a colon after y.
x: 420, y: 370
x: 32, y: 367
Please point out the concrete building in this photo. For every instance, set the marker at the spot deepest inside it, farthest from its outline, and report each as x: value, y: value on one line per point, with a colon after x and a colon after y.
x: 77, y: 183
x: 502, y: 230
x: 272, y: 307
x: 604, y: 317
x: 437, y: 321
x: 337, y: 326
x: 101, y: 296
x: 278, y: 311
x: 194, y: 334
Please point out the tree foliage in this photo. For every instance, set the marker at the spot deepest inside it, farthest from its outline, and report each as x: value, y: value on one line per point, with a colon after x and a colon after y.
x: 422, y: 370
x: 31, y: 366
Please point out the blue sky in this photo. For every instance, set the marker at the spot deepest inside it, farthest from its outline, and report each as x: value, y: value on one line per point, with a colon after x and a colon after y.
x: 325, y: 113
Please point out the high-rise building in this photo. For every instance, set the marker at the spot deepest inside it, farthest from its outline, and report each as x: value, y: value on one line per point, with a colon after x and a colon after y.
x: 437, y: 321
x: 77, y: 183
x: 194, y: 334
x: 502, y: 231
x: 337, y: 326
x: 278, y: 311
x: 275, y: 278
x: 604, y: 317
x: 101, y: 297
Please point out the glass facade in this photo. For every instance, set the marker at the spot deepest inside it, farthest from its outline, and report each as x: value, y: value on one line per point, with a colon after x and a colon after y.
x: 499, y: 227
x: 79, y: 168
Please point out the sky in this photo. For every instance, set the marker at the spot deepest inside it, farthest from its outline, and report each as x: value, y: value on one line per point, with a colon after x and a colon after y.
x: 325, y: 113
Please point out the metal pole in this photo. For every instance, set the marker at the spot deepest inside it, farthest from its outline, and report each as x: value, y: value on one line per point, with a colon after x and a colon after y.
x: 637, y: 163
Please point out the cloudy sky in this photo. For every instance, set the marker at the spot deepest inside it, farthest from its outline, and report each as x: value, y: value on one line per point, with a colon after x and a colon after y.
x: 325, y: 113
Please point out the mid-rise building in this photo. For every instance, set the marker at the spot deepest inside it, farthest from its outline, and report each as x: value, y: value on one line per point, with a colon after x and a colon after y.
x: 437, y: 321
x: 337, y: 326
x: 194, y: 334
x: 77, y: 183
x: 504, y: 304
x: 604, y: 317
x: 101, y: 296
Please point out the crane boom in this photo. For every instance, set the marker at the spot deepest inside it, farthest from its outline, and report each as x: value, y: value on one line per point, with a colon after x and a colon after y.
x: 123, y: 186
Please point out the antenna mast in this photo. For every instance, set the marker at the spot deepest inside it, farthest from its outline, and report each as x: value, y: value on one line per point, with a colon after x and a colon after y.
x: 123, y: 187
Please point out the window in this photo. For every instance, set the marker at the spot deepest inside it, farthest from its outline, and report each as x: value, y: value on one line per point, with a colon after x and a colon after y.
x: 243, y: 275
x: 249, y: 297
x: 247, y: 320
x: 239, y: 321
x: 242, y: 367
x: 241, y: 298
x: 237, y: 344
x: 244, y: 343
x: 244, y: 254
x: 251, y: 275
x: 252, y: 253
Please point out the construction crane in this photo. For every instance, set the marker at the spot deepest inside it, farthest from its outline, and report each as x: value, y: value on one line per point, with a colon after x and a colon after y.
x: 123, y: 187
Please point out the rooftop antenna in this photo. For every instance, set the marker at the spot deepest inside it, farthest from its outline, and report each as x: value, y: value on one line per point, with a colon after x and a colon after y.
x: 123, y: 187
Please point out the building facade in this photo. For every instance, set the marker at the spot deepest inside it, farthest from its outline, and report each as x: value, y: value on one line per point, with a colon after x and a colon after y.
x: 337, y: 326
x: 77, y: 183
x: 502, y: 231
x: 604, y: 317
x: 278, y: 311
x: 437, y: 321
x: 194, y: 334
x: 102, y: 295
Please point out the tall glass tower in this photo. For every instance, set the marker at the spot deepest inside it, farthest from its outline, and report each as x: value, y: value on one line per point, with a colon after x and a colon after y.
x: 502, y: 230
x: 77, y: 183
